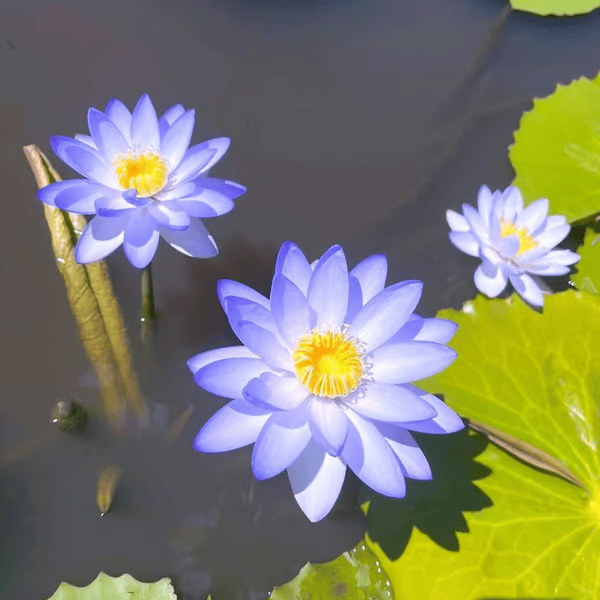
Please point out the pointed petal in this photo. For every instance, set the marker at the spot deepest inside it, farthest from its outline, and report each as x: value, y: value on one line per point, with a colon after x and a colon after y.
x: 176, y: 139
x: 172, y: 114
x: 228, y: 287
x: 328, y: 424
x: 194, y: 241
x: 533, y: 215
x: 106, y: 135
x: 228, y: 377
x: 118, y: 113
x: 446, y: 421
x: 489, y: 279
x: 290, y: 309
x: 281, y: 441
x: 410, y: 361
x: 144, y: 125
x: 276, y: 392
x: 234, y: 426
x: 475, y: 221
x: 527, y: 288
x: 368, y: 454
x: 561, y: 257
x: 141, y: 238
x: 513, y: 203
x: 412, y: 460
x: 328, y: 289
x: 465, y: 241
x: 75, y: 195
x: 484, y: 203
x: 101, y: 236
x: 456, y: 221
x: 292, y: 263
x: 383, y: 315
x: 551, y: 236
x: 316, y: 479
x: 371, y: 274
x: 169, y: 214
x: 210, y: 356
x: 191, y: 165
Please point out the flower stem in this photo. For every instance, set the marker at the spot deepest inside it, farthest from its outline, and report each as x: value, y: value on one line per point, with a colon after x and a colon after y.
x: 147, y: 313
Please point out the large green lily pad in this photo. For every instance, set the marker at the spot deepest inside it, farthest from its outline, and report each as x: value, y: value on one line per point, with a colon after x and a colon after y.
x: 537, y: 377
x: 556, y: 7
x: 125, y: 587
x: 355, y: 575
x: 587, y: 276
x: 556, y: 153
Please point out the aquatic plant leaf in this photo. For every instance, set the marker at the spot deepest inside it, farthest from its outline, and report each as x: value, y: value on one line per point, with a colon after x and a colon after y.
x: 94, y: 305
x: 556, y: 153
x: 587, y: 276
x: 556, y: 7
x: 124, y: 587
x: 355, y: 575
x: 536, y: 377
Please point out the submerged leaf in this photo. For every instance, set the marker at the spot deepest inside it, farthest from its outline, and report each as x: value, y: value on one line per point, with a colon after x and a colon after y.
x: 535, y: 377
x: 587, y: 276
x: 89, y: 290
x: 355, y: 575
x: 556, y: 7
x: 556, y: 153
x: 125, y: 587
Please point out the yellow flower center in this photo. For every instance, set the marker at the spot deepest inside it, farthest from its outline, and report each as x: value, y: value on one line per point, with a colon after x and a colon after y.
x: 146, y: 172
x: 329, y: 364
x: 526, y: 240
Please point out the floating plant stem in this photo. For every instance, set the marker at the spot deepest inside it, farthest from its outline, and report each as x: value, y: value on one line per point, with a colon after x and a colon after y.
x: 107, y: 485
x: 148, y: 314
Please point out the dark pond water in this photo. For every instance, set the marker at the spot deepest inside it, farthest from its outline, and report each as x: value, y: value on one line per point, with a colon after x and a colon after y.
x: 352, y: 121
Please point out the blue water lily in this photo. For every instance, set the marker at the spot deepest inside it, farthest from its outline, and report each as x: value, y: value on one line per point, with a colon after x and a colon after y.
x: 142, y: 181
x: 322, y: 381
x: 514, y: 243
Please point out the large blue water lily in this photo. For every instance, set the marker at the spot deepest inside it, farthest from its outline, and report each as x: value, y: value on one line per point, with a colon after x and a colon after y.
x: 323, y: 380
x: 514, y: 243
x: 142, y: 181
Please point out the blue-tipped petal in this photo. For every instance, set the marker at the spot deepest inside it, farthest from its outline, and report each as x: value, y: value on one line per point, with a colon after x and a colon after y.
x: 412, y: 460
x: 140, y: 256
x: 292, y: 264
x: 328, y: 289
x: 169, y: 214
x: 264, y: 344
x: 290, y: 309
x: 102, y: 236
x: 206, y: 358
x: 230, y: 376
x: 436, y: 330
x: 86, y: 139
x: 384, y: 314
x: 194, y: 241
x: 172, y: 114
x: 228, y: 287
x: 234, y: 426
x: 328, y: 424
x: 276, y: 392
x: 215, y: 206
x: 144, y: 125
x: 490, y: 279
x: 393, y: 403
x: 191, y: 165
x: 410, y: 361
x: 74, y: 195
x: 316, y: 479
x: 371, y: 274
x: 83, y: 159
x: 446, y: 421
x: 527, y: 288
x: 221, y: 146
x: 176, y: 139
x: 281, y: 441
x: 119, y: 114
x: 106, y: 135
x: 368, y: 454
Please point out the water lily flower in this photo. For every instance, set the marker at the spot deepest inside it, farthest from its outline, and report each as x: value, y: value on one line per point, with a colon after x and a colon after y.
x: 514, y: 243
x: 323, y: 380
x: 142, y: 182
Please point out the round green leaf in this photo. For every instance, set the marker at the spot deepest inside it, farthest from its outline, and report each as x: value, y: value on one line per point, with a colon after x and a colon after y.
x: 556, y: 154
x: 587, y: 276
x: 556, y: 7
x: 355, y: 575
x: 124, y: 587
x: 537, y: 377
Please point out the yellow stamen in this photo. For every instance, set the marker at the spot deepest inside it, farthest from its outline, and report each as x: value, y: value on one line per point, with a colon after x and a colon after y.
x: 146, y: 172
x: 329, y: 364
x: 526, y: 240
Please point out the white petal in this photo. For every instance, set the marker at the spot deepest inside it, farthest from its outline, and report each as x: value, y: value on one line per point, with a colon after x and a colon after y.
x: 384, y: 314
x: 316, y: 479
x: 456, y: 221
x: 490, y: 279
x: 328, y: 288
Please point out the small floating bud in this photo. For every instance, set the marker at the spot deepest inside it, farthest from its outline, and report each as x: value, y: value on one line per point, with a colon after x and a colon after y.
x: 69, y: 415
x: 107, y: 485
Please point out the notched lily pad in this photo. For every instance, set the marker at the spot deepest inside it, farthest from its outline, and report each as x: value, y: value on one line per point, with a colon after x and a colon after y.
x: 125, y: 587
x: 587, y: 275
x: 556, y: 7
x: 355, y: 575
x: 556, y: 153
x: 536, y: 377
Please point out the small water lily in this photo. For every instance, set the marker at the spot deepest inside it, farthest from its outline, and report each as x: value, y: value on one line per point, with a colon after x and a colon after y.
x: 142, y: 182
x: 323, y: 380
x: 514, y: 243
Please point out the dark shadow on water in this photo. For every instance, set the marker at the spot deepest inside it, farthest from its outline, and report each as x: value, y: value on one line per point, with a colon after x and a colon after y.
x: 434, y: 507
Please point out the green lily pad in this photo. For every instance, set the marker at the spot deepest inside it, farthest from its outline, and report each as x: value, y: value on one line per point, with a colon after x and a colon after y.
x: 355, y: 575
x: 537, y: 377
x: 556, y: 7
x: 556, y: 153
x: 587, y: 277
x: 125, y: 587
